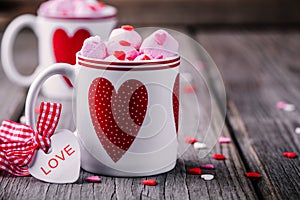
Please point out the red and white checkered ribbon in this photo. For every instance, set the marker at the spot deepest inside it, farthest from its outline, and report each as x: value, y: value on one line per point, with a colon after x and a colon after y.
x: 18, y: 142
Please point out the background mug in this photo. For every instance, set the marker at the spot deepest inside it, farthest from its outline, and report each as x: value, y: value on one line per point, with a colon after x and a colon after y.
x: 58, y: 41
x: 126, y: 113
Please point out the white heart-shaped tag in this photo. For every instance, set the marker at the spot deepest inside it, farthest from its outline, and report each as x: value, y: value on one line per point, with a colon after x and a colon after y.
x: 62, y: 164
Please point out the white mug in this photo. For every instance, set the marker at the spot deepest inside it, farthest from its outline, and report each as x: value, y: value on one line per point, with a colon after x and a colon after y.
x: 59, y: 39
x: 126, y: 113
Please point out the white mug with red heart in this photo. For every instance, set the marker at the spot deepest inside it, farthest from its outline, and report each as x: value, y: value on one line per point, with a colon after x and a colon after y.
x: 59, y: 39
x: 126, y: 113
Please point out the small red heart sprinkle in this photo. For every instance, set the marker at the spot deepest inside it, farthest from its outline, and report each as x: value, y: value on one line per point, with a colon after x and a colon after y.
x: 101, y: 4
x: 146, y: 57
x: 124, y: 43
x: 37, y: 110
x: 93, y: 8
x: 289, y: 154
x: 127, y: 27
x: 190, y: 140
x: 253, y: 175
x: 219, y: 157
x: 93, y: 179
x: 120, y: 55
x: 130, y: 58
x: 196, y: 171
x: 189, y: 89
x: 159, y: 57
x: 150, y: 182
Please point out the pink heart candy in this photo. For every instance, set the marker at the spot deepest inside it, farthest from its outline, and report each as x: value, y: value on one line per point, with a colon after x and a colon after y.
x: 160, y: 38
x: 224, y: 140
x: 208, y: 166
x: 93, y: 179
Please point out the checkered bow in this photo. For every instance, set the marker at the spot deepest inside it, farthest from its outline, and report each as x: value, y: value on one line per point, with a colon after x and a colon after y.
x: 18, y: 142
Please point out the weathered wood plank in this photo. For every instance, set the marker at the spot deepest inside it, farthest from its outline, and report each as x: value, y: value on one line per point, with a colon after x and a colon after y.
x: 260, y: 69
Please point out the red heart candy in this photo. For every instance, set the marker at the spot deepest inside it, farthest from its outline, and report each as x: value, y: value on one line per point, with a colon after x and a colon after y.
x: 190, y: 140
x: 253, y: 175
x: 196, y: 171
x: 121, y: 55
x: 150, y: 182
x: 289, y: 154
x: 219, y: 157
x: 117, y: 116
x: 124, y: 43
x: 127, y: 27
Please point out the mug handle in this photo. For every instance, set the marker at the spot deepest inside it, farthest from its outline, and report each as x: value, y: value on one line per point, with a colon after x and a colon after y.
x: 8, y: 40
x: 58, y: 68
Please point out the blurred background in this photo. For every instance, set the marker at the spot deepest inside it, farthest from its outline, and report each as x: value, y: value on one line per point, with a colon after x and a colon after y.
x: 207, y: 13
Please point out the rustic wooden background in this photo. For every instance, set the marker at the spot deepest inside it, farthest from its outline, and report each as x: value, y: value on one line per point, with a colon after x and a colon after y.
x: 259, y: 68
x: 183, y: 12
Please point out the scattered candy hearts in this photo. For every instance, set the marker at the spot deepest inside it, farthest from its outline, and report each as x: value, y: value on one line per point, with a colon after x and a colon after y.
x: 281, y: 104
x: 289, y: 107
x: 224, y: 140
x: 127, y: 27
x: 199, y: 145
x: 189, y: 89
x: 62, y: 164
x: 219, y: 157
x: 289, y: 154
x: 297, y: 130
x: 207, y: 177
x: 208, y: 166
x: 150, y: 182
x: 124, y: 43
x: 253, y: 175
x: 195, y: 171
x: 93, y: 179
x: 285, y: 106
x: 190, y: 140
x: 121, y: 55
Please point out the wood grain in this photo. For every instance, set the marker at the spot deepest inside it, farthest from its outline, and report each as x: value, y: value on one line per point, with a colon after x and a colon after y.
x: 260, y: 69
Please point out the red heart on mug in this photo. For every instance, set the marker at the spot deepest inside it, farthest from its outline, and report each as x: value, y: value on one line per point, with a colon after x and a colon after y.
x: 65, y: 47
x: 176, y: 102
x: 117, y: 116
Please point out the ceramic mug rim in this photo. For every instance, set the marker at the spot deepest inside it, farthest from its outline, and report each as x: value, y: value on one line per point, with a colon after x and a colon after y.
x: 119, y: 65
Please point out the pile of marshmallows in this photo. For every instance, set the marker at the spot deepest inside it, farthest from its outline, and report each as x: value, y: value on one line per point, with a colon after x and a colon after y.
x: 125, y: 44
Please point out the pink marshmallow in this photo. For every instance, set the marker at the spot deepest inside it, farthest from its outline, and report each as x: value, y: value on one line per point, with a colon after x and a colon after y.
x: 113, y: 46
x: 93, y: 47
x: 160, y: 43
x: 126, y: 36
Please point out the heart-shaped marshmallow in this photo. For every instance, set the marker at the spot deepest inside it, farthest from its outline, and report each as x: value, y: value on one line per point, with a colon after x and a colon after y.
x: 62, y: 163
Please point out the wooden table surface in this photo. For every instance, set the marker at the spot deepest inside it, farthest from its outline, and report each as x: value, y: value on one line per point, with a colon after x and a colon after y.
x: 259, y: 68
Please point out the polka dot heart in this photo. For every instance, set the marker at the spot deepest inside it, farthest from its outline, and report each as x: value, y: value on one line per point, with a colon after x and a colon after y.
x: 176, y: 101
x: 117, y: 116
